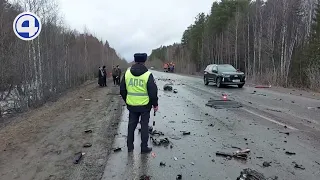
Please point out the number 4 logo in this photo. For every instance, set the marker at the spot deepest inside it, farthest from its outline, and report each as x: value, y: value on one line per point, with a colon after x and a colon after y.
x: 27, y: 26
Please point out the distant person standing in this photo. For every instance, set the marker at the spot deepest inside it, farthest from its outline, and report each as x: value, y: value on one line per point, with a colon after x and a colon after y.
x: 118, y: 75
x: 100, y: 77
x: 105, y: 75
x: 114, y: 75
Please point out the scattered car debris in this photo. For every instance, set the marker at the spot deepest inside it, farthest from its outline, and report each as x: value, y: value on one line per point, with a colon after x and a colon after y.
x: 179, y: 176
x: 117, y: 149
x: 273, y: 178
x: 287, y: 133
x: 314, y: 108
x: 88, y: 131
x: 290, y: 153
x: 317, y: 162
x: 78, y: 157
x: 235, y: 147
x: 266, y: 164
x: 175, y: 91
x: 165, y: 142
x: 86, y: 145
x: 175, y: 137
x: 186, y: 133
x: 172, y: 122
x: 298, y: 166
x: 192, y: 163
x: 175, y: 158
x: 275, y: 110
x: 262, y: 94
x: 195, y: 119
x: 249, y: 174
x: 162, y: 164
x: 155, y: 132
x: 221, y: 104
x: 211, y: 125
x: 167, y: 87
x: 242, y: 154
x: 87, y: 99
x: 144, y: 177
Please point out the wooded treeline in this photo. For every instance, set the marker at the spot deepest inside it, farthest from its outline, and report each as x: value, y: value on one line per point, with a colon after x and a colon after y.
x: 31, y: 72
x: 273, y: 42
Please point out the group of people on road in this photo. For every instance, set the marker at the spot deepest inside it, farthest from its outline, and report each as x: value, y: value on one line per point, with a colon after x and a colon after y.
x: 116, y: 74
x: 102, y: 81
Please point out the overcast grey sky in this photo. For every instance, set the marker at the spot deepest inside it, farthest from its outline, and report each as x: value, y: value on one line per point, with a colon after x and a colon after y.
x: 133, y: 25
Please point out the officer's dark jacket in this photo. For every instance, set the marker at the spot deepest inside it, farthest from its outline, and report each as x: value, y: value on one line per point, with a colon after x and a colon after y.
x: 137, y: 70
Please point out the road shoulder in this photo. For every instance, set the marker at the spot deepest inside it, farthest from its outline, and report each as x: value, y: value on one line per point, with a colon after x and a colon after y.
x: 42, y: 143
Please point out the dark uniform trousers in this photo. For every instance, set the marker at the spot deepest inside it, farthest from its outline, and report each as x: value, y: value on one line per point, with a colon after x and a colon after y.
x: 132, y: 125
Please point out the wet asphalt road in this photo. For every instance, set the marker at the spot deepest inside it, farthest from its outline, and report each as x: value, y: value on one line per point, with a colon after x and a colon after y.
x: 258, y: 125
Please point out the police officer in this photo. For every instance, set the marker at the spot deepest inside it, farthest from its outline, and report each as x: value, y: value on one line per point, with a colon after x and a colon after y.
x: 139, y: 90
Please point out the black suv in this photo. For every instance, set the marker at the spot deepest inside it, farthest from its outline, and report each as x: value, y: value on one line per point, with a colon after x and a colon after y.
x: 223, y: 74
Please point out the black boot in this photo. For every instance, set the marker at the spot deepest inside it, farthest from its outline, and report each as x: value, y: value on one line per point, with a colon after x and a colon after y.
x: 146, y: 150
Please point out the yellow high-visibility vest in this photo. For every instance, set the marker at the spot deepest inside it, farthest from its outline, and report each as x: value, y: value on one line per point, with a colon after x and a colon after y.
x: 137, y: 92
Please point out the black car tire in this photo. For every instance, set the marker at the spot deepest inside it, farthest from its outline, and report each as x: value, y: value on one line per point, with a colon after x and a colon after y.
x: 219, y: 85
x: 206, y: 82
x: 240, y: 85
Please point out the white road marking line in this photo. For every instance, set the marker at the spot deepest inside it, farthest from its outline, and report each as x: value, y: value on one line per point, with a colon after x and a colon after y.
x: 269, y: 119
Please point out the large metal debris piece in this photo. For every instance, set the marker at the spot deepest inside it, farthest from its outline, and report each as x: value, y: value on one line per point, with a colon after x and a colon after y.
x: 167, y: 87
x: 162, y: 142
x: 249, y: 174
x: 243, y: 156
x: 221, y: 104
x: 155, y: 132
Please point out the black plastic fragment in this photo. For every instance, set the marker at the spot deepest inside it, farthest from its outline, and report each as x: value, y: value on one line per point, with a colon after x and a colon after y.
x: 290, y: 153
x: 266, y: 164
x: 117, y: 149
x: 186, y: 133
x: 87, y: 145
x: 77, y: 158
x: 144, y: 177
x: 162, y: 164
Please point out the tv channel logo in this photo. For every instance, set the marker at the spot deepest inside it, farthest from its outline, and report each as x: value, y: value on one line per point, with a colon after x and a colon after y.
x: 27, y: 26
